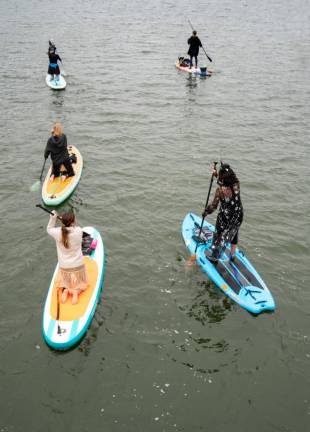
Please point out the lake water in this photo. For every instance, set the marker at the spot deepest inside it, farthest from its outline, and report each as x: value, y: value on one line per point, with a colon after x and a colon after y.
x: 166, y: 350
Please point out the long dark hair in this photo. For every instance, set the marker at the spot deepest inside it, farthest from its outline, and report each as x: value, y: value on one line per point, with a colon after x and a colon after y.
x: 227, y: 176
x: 67, y: 220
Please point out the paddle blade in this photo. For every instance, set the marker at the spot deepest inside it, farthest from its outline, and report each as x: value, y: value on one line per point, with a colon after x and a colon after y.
x: 191, y: 261
x: 36, y: 186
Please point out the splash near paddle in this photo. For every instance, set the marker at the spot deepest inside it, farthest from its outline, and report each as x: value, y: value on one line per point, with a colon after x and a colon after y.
x: 238, y: 279
x: 57, y: 191
x: 65, y: 324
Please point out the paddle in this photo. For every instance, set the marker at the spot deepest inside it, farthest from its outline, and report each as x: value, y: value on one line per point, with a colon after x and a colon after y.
x: 36, y: 185
x: 47, y: 211
x: 209, y: 58
x: 193, y: 257
x: 59, y: 289
x: 62, y: 71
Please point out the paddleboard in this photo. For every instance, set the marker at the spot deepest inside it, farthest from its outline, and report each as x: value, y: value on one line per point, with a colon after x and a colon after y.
x: 238, y: 280
x: 74, y: 320
x: 193, y: 70
x: 56, y: 191
x: 56, y: 84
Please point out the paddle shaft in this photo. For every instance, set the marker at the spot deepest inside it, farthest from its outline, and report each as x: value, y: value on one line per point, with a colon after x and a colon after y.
x: 42, y: 169
x: 209, y: 58
x: 207, y: 202
x: 47, y: 211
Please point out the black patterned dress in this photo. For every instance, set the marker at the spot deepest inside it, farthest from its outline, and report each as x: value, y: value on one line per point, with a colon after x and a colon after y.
x: 229, y: 217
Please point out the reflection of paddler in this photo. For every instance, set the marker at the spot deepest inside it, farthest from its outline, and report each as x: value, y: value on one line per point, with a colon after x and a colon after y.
x: 73, y: 277
x: 58, y: 149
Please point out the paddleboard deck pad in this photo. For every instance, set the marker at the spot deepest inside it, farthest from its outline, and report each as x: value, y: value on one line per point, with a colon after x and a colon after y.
x: 54, y: 84
x: 57, y: 191
x: 74, y: 320
x: 193, y: 70
x: 238, y: 279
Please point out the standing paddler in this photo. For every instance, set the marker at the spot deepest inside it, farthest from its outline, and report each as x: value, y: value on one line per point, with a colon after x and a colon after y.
x: 230, y: 214
x: 193, y: 51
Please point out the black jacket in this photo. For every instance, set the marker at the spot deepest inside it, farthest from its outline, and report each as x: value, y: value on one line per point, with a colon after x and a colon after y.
x: 194, y: 44
x: 53, y: 57
x: 57, y: 148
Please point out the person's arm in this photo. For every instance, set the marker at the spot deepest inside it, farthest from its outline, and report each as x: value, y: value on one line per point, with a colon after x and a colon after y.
x: 200, y: 44
x: 51, y: 227
x: 59, y: 58
x: 213, y: 206
x: 47, y: 150
x: 189, y: 40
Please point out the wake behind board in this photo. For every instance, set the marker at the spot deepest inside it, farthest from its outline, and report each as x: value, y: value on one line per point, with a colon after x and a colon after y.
x: 193, y: 70
x: 56, y: 191
x: 238, y: 280
x: 74, y: 320
x: 56, y: 84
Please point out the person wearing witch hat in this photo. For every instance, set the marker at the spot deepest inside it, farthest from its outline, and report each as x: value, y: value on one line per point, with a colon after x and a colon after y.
x: 53, y: 68
x: 230, y: 215
x: 51, y: 47
x: 194, y: 45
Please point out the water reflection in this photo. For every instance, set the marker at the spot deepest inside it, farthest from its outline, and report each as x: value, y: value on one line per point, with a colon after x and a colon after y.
x: 209, y: 305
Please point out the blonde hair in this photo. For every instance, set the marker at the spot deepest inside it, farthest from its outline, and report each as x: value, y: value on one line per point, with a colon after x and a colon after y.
x: 57, y: 129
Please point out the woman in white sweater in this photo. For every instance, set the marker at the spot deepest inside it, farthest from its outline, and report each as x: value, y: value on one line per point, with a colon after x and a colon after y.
x: 68, y: 237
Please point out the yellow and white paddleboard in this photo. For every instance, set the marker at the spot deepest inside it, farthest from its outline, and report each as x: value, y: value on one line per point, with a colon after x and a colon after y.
x: 57, y: 191
x: 64, y: 325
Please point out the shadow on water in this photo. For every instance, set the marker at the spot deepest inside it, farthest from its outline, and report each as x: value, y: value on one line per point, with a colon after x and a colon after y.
x: 192, y: 81
x: 57, y: 98
x: 209, y: 305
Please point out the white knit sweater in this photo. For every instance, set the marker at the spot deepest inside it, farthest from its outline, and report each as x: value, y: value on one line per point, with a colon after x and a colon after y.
x: 71, y: 257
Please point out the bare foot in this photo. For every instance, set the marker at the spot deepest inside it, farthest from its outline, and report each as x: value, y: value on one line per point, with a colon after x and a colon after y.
x: 64, y: 296
x: 75, y: 297
x: 52, y: 178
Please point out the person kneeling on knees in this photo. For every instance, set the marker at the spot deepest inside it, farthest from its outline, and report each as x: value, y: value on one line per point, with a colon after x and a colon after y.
x: 73, y: 276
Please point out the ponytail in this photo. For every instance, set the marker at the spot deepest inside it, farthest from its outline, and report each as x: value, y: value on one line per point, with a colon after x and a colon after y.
x: 64, y: 237
x: 67, y: 220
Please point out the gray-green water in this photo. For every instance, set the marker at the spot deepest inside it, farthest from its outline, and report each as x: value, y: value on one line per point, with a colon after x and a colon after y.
x: 166, y: 350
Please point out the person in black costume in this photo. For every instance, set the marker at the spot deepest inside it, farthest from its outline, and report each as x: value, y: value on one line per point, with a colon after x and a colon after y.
x: 193, y: 51
x: 57, y: 147
x: 230, y: 214
x: 53, y: 68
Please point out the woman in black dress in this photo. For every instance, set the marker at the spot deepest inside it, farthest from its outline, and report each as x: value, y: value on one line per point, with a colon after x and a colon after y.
x: 230, y: 214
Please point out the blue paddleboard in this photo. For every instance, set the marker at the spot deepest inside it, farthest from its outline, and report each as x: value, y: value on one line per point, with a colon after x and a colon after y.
x: 238, y: 280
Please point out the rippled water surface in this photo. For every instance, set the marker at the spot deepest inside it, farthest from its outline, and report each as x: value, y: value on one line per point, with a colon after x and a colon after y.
x: 166, y: 350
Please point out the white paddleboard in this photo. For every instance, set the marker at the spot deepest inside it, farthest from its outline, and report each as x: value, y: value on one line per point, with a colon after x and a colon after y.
x: 56, y: 84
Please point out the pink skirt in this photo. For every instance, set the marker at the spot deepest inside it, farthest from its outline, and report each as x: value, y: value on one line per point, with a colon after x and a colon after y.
x: 73, y: 279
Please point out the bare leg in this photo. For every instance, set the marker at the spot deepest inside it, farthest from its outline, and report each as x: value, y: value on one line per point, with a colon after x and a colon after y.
x: 75, y: 297
x: 64, y: 296
x: 233, y: 250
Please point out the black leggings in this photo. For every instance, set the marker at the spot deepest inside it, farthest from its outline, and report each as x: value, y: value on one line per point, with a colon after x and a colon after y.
x: 68, y: 166
x: 196, y: 60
